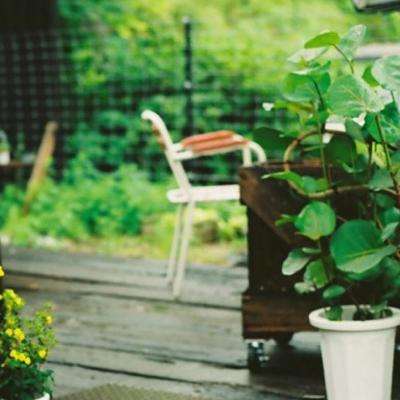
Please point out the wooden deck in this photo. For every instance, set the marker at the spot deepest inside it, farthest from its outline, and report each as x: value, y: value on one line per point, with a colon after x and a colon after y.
x: 117, y: 323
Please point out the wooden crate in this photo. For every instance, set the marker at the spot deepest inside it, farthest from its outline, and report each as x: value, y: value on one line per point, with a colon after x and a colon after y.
x: 270, y: 306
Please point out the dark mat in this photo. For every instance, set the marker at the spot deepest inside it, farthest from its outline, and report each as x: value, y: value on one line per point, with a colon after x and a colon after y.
x: 116, y: 392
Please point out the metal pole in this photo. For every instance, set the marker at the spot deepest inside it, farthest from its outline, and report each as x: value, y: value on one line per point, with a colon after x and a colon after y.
x: 188, y: 82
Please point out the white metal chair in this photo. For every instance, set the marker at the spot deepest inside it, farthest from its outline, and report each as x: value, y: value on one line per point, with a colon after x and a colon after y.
x: 186, y: 196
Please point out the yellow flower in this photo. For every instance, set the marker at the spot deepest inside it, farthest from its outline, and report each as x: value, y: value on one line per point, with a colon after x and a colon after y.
x: 19, y: 334
x: 42, y: 353
x: 27, y: 361
x: 1, y: 272
x: 9, y: 332
x: 13, y: 354
x: 49, y: 320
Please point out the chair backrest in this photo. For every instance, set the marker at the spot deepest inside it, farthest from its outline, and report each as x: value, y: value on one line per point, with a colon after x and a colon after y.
x: 164, y: 139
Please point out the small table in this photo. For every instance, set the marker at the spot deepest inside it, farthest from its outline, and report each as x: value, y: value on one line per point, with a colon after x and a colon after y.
x: 117, y: 392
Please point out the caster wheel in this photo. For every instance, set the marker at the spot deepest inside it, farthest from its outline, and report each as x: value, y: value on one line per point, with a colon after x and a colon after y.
x: 283, y: 339
x: 256, y: 357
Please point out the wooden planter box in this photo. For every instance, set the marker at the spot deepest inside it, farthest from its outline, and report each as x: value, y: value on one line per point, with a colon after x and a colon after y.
x: 270, y: 306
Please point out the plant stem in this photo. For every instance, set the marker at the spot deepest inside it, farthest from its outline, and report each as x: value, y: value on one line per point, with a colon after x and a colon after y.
x: 345, y: 57
x: 388, y: 159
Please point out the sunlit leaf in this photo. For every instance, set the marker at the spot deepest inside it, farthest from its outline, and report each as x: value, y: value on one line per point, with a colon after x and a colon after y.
x: 324, y: 39
x: 386, y: 71
x: 350, y: 96
x: 295, y: 261
x: 352, y: 41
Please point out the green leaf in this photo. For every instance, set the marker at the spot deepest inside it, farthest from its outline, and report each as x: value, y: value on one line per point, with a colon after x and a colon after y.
x: 390, y: 124
x: 333, y: 292
x: 300, y: 88
x: 381, y: 179
x: 286, y: 176
x: 369, y: 78
x: 304, y: 288
x: 306, y: 183
x: 314, y: 70
x: 272, y: 141
x: 391, y: 268
x: 324, y: 39
x: 386, y: 71
x: 390, y: 215
x: 311, y: 250
x: 352, y: 41
x: 384, y: 200
x: 354, y: 130
x: 285, y: 219
x: 295, y: 261
x: 350, y: 96
x: 315, y: 274
x: 304, y: 56
x: 357, y: 247
x: 313, y: 185
x: 334, y: 313
x: 341, y: 150
x: 315, y: 220
x: 389, y: 230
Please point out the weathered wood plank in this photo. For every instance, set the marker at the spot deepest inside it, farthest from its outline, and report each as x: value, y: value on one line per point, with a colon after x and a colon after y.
x: 213, y: 286
x: 165, y: 330
x: 191, y: 298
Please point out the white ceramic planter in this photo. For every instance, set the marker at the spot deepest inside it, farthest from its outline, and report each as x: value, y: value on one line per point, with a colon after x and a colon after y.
x: 4, y: 158
x: 357, y: 355
x: 45, y: 397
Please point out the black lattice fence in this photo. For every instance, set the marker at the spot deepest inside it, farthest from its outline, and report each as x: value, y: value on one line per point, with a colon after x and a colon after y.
x: 43, y: 77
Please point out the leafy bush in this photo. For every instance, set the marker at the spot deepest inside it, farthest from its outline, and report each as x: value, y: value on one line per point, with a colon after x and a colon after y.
x: 85, y: 203
x: 352, y: 258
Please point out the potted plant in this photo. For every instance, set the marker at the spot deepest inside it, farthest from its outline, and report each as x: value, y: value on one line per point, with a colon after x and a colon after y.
x: 24, y: 347
x: 348, y: 119
x: 4, y: 149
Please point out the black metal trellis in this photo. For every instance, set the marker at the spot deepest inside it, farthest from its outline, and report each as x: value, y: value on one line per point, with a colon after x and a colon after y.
x: 39, y: 81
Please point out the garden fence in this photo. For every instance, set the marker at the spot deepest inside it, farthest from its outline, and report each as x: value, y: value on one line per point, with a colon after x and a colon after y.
x: 56, y: 75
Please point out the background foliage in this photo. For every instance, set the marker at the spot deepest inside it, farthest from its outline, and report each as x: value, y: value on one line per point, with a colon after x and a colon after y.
x: 127, y: 55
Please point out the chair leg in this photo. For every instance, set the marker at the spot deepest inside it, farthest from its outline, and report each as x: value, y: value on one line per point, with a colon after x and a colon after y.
x: 173, y: 257
x: 183, y: 251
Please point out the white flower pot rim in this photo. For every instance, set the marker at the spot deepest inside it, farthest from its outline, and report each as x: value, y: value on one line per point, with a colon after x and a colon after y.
x: 318, y: 320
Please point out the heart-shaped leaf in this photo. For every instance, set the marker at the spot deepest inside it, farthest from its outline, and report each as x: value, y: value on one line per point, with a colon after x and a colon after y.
x: 295, y: 261
x: 350, y: 96
x: 316, y: 220
x: 387, y: 72
x: 357, y: 247
x: 352, y: 41
x: 324, y: 39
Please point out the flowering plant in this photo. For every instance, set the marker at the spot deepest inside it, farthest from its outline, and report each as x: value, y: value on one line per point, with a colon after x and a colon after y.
x: 24, y: 347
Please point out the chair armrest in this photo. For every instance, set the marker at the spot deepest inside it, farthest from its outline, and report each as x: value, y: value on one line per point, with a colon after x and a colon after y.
x: 219, y: 142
